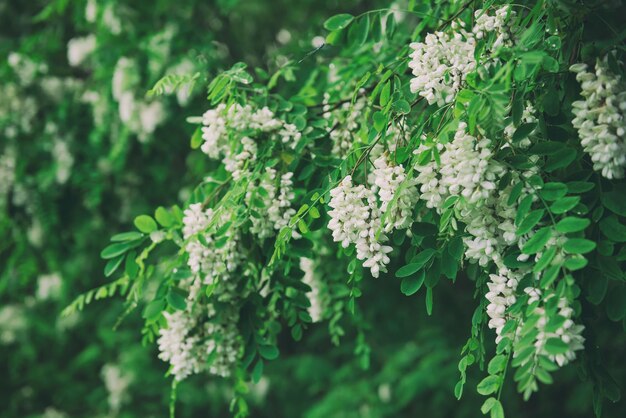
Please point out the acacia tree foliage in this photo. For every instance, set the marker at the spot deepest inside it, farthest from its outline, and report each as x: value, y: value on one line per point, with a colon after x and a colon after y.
x: 448, y: 171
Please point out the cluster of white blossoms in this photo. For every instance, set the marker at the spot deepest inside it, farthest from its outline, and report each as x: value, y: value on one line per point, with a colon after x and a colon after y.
x: 116, y: 381
x: 140, y: 116
x: 501, y: 296
x: 440, y: 65
x: 355, y: 219
x: 465, y: 170
x: 79, y: 49
x: 568, y: 331
x: 49, y: 286
x: 200, y: 339
x: 18, y: 111
x: 442, y: 61
x: 501, y: 24
x: 223, y: 121
x: 345, y: 124
x: 390, y: 183
x: 276, y: 210
x: 206, y: 260
x: 7, y: 173
x: 357, y: 212
x: 601, y: 117
x: 316, y: 310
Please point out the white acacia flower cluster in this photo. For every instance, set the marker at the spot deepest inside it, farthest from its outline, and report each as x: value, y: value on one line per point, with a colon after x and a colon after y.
x: 276, y: 211
x: 79, y: 49
x: 501, y: 296
x: 440, y: 65
x: 49, y: 286
x: 501, y: 24
x: 397, y: 194
x: 357, y: 212
x: 464, y: 170
x: 117, y: 381
x: 442, y: 61
x: 316, y: 310
x: 140, y: 116
x: 200, y: 339
x: 223, y: 121
x: 7, y: 173
x: 467, y: 169
x: 355, y: 219
x: 18, y: 111
x: 346, y: 124
x: 207, y: 261
x: 601, y: 117
x: 568, y: 331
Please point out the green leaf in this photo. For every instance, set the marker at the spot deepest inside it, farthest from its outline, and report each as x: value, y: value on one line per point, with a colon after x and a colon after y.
x: 579, y: 246
x: 556, y: 346
x: 417, y: 262
x: 411, y: 284
x: 553, y: 191
x: 488, y: 385
x: 196, y: 139
x: 550, y: 275
x: 538, y: 241
x: 523, y: 131
x: 114, y: 250
x: 487, y: 405
x: 385, y: 94
x: 127, y: 236
x: 257, y: 371
x: 613, y: 229
x: 530, y: 221
x: 112, y: 265
x: 545, y: 259
x: 380, y: 121
x: 564, y: 204
x: 497, y: 364
x: 357, y: 34
x: 269, y: 352
x: 614, y: 201
x: 429, y: 301
x: 154, y: 309
x: 497, y: 411
x: 572, y: 224
x: 163, y: 217
x: 560, y: 159
x: 401, y: 106
x: 145, y: 224
x: 339, y: 21
x: 176, y: 300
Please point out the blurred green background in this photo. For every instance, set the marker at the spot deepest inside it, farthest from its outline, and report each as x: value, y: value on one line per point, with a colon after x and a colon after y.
x: 75, y: 168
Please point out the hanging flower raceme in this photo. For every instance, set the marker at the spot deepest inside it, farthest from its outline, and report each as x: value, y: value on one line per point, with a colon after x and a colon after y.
x: 601, y: 117
x: 442, y: 61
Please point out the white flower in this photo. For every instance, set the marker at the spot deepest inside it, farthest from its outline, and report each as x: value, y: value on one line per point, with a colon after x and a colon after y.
x: 501, y: 296
x: 568, y: 332
x: 276, y: 211
x: 78, y: 49
x: 440, y: 65
x: 601, y: 118
x: 91, y: 11
x: 355, y: 219
x: 49, y: 286
x: 116, y: 381
x: 316, y: 310
x: 345, y: 124
x: 389, y: 180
